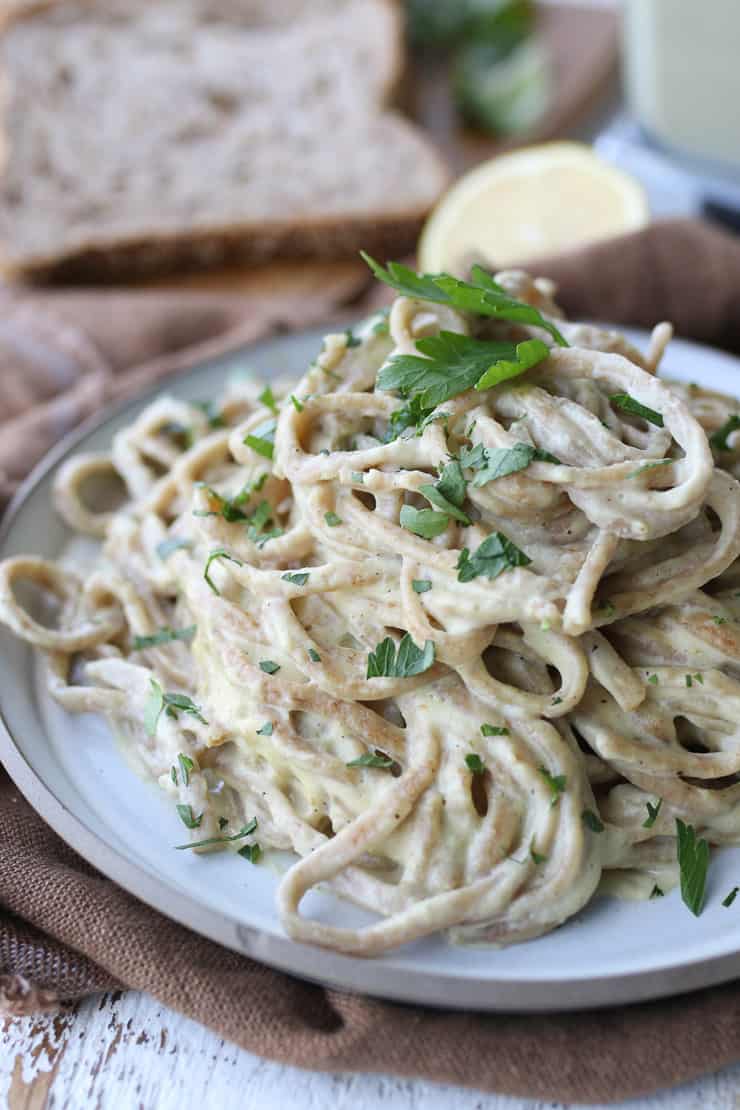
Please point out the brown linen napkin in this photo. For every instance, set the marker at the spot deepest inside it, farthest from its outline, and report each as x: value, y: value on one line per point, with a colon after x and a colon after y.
x: 67, y: 931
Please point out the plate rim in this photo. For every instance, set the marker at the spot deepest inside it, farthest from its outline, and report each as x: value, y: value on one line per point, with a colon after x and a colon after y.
x: 323, y: 967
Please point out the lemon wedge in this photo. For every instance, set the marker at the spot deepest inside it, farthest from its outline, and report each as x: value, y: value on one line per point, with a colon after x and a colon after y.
x: 528, y: 204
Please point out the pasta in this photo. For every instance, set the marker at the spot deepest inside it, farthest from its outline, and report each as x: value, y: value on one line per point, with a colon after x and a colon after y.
x: 470, y: 651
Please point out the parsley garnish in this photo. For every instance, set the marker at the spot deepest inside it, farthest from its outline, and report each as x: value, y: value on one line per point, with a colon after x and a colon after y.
x: 174, y: 543
x: 267, y: 397
x: 592, y: 821
x: 297, y: 404
x: 258, y: 521
x: 649, y: 466
x: 536, y: 857
x: 475, y: 764
x: 164, y: 636
x: 720, y: 620
x: 454, y: 363
x: 219, y: 553
x: 410, y: 660
x: 500, y: 461
x: 262, y: 439
x: 352, y: 340
x: 693, y: 862
x: 215, y: 416
x: 268, y: 666
x: 188, y: 818
x: 372, y: 759
x: 448, y: 493
x: 186, y: 766
x: 653, y: 811
x: 172, y: 704
x: 653, y: 679
x: 656, y: 892
x: 313, y: 655
x: 727, y: 902
x: 332, y: 519
x: 413, y: 415
x: 426, y: 523
x: 246, y: 830
x: 629, y: 404
x: 227, y: 507
x: 266, y: 729
x: 251, y: 852
x: 557, y: 784
x: 421, y: 585
x: 495, y: 555
x: 299, y: 579
x: 718, y: 439
x: 494, y: 730
x: 223, y: 822
x: 482, y: 295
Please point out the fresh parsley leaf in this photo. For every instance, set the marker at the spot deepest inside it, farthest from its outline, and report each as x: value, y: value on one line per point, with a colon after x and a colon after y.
x: 693, y: 862
x: 222, y: 823
x: 251, y: 852
x: 653, y: 811
x: 653, y: 679
x: 174, y: 543
x: 495, y: 555
x: 266, y: 729
x: 482, y: 295
x: 181, y: 703
x: 720, y: 620
x: 154, y: 706
x: 262, y: 439
x: 718, y: 439
x: 299, y: 579
x: 536, y: 857
x: 372, y: 759
x: 332, y: 519
x: 494, y: 730
x: 352, y: 340
x: 421, y: 585
x: 267, y: 397
x: 186, y: 766
x: 258, y: 521
x: 214, y: 416
x: 649, y: 466
x: 656, y: 892
x: 435, y: 497
x: 497, y: 462
x: 592, y: 821
x: 426, y: 523
x: 557, y: 784
x: 727, y: 902
x: 313, y: 655
x: 245, y: 830
x: 297, y: 404
x: 629, y: 404
x: 412, y: 415
x: 189, y: 819
x: 268, y: 666
x: 455, y: 363
x: 164, y: 636
x: 219, y: 553
x: 410, y: 660
x: 173, y: 774
x: 475, y: 764
x: 448, y: 492
x: 527, y: 354
x: 227, y: 507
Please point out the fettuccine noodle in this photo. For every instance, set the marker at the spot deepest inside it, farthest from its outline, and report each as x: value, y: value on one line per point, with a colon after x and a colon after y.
x: 491, y: 783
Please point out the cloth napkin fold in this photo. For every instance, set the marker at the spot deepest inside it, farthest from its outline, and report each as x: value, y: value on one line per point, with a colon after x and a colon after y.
x: 67, y: 931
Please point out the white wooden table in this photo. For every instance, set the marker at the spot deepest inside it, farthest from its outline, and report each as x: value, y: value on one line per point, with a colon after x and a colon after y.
x: 126, y: 1052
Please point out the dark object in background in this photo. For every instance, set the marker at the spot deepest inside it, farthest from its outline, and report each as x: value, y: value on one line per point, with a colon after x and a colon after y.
x: 500, y: 67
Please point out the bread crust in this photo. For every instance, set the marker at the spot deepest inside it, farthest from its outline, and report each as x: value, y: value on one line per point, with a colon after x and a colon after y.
x: 322, y: 238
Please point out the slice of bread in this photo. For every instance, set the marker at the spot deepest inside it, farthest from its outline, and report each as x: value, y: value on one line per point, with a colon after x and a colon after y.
x: 144, y: 137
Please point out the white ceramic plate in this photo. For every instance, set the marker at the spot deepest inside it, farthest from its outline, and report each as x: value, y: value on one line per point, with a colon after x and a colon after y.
x: 71, y: 770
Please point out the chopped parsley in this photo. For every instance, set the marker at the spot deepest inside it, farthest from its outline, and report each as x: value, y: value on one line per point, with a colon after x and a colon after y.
x: 493, y: 463
x: 268, y: 666
x: 720, y: 620
x: 627, y: 403
x: 245, y: 830
x: 421, y: 585
x: 426, y: 523
x: 219, y: 553
x: 313, y: 655
x: 649, y: 466
x: 186, y: 766
x: 536, y: 857
x: 299, y: 579
x: 592, y: 821
x: 693, y: 863
x: 352, y: 340
x: 409, y: 660
x: 214, y: 416
x: 412, y: 415
x: 718, y: 439
x: 653, y: 679
x: 692, y: 678
x: 165, y: 636
x: 372, y: 759
x: 188, y: 818
x: 494, y: 730
x: 656, y: 892
x: 297, y: 404
x: 482, y: 295
x: 557, y: 784
x: 262, y: 439
x: 727, y: 902
x: 332, y: 519
x: 267, y: 397
x: 174, y: 543
x: 495, y: 555
x: 251, y: 852
x: 230, y: 508
x: 475, y: 764
x: 447, y: 494
x: 172, y: 704
x: 653, y: 811
x: 222, y: 823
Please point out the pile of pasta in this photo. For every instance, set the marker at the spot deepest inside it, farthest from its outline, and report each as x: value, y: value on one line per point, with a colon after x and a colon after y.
x: 470, y: 662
